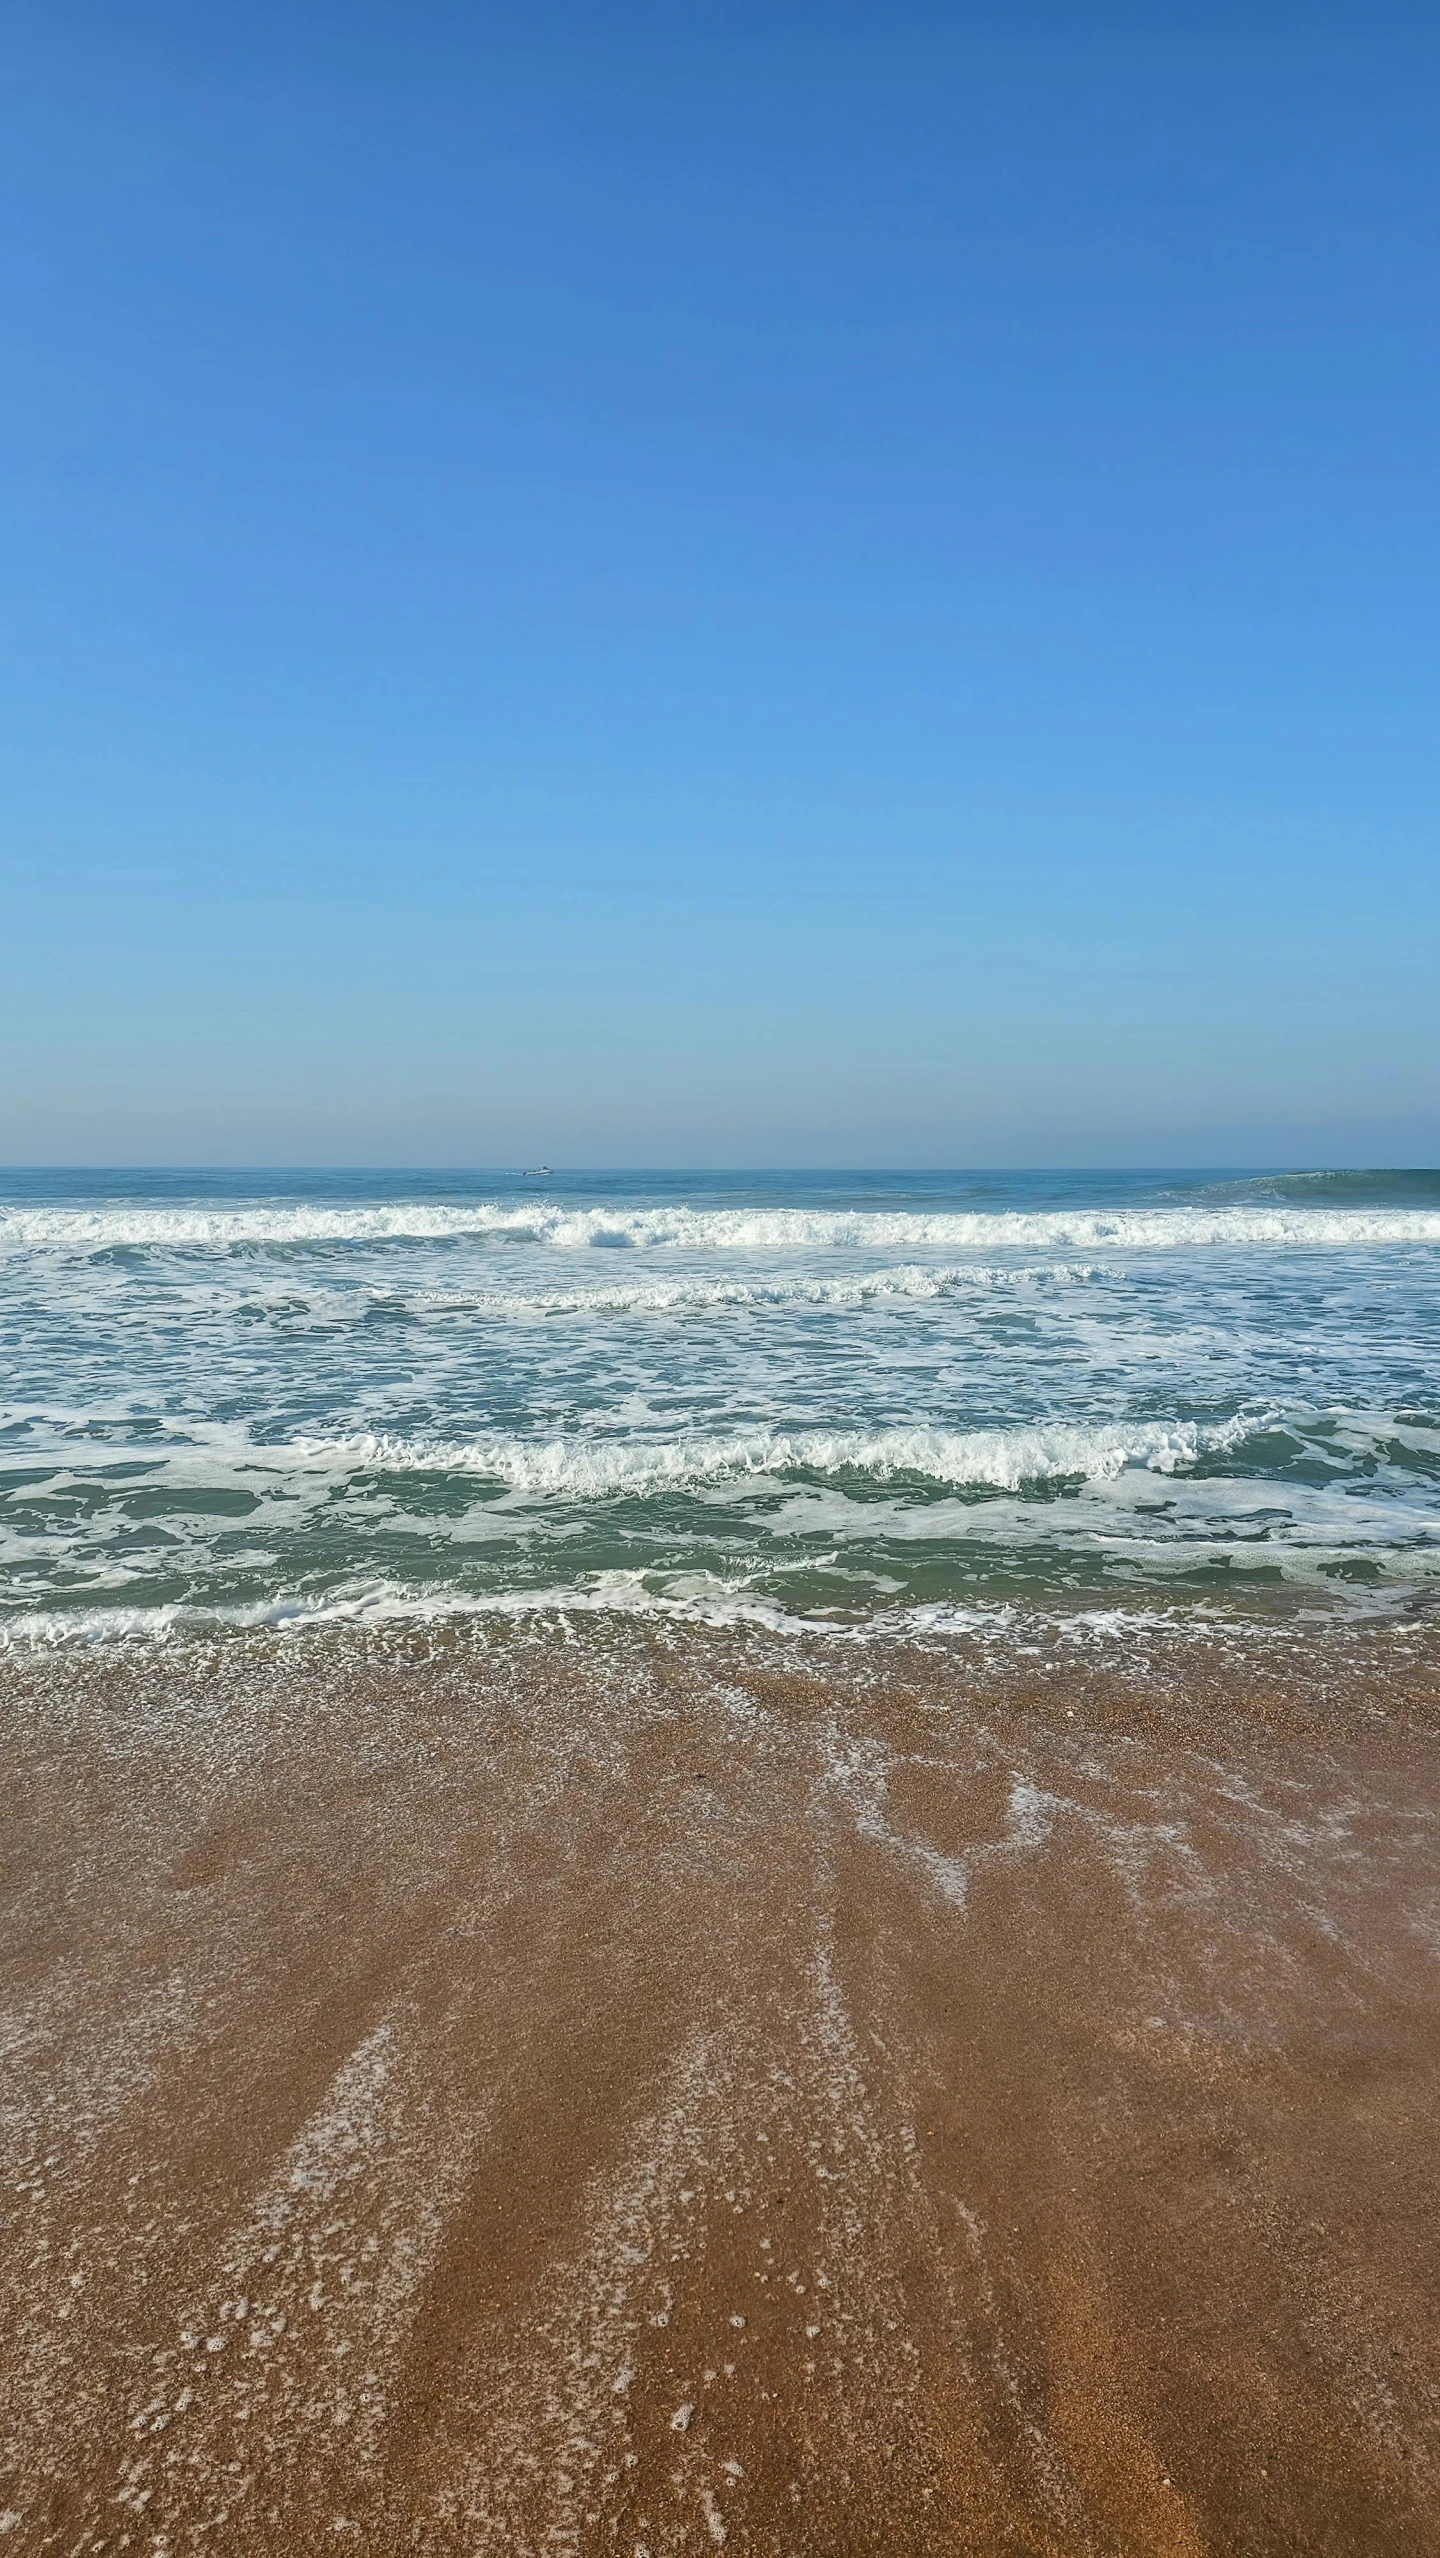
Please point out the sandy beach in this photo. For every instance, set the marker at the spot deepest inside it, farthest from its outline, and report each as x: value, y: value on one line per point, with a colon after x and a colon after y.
x: 663, y: 2091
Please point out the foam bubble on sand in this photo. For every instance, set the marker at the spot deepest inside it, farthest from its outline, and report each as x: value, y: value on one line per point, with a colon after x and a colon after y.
x: 93, y: 2078
x: 740, y: 2112
x: 586, y: 2335
x: 859, y: 1772
x: 706, y: 2105
x: 298, y: 2337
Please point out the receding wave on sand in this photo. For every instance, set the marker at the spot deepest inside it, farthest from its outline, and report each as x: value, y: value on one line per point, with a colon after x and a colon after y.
x: 557, y: 2083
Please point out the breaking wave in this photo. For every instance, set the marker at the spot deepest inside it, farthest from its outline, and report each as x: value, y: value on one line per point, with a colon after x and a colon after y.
x: 592, y: 1468
x: 84, y: 1231
x: 698, y: 1296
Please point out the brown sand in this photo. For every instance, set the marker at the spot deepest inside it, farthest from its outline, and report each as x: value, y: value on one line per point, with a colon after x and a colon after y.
x: 544, y: 2092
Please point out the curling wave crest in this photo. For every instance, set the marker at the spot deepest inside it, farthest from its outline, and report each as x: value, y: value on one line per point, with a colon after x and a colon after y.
x: 591, y: 1468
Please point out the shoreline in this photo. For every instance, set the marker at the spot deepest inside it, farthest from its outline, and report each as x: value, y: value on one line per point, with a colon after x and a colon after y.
x: 650, y: 2087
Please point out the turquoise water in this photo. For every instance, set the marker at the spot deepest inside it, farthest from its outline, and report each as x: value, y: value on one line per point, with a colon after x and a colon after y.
x: 248, y: 1398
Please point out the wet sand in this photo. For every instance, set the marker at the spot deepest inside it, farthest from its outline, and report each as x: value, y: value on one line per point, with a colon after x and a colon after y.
x: 656, y: 2092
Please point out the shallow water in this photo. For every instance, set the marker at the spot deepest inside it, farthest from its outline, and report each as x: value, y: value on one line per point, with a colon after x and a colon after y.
x: 879, y: 1398
x: 515, y: 2087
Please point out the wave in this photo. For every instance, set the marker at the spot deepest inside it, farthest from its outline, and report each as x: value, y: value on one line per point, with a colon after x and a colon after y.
x: 587, y: 1466
x: 591, y: 1468
x: 683, y: 1296
x: 391, y: 1603
x: 88, y: 1231
x: 126, y: 1447
x: 597, y: 1464
x: 376, y: 1609
x: 1368, y: 1189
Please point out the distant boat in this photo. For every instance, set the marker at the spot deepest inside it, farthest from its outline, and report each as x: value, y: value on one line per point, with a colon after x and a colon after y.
x: 537, y: 1172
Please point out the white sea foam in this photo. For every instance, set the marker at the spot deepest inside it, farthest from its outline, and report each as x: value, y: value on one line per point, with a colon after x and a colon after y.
x: 607, y: 1460
x: 695, y: 1599
x: 217, y: 1404
x: 707, y: 1601
x: 87, y: 1230
x: 588, y: 1467
x: 798, y: 1289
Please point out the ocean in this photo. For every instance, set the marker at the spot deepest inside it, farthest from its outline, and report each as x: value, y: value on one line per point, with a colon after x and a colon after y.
x: 705, y: 1861
x: 862, y: 1401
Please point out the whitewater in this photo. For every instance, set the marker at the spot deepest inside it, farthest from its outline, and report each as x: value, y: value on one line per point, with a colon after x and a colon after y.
x: 840, y: 1399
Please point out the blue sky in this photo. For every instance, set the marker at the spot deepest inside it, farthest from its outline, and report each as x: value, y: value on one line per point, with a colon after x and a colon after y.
x: 719, y: 583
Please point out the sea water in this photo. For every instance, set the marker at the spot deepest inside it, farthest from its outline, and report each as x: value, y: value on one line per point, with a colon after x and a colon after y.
x: 862, y: 1399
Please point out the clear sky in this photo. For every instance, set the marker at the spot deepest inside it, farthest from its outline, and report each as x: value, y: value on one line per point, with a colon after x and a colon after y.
x: 719, y: 582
